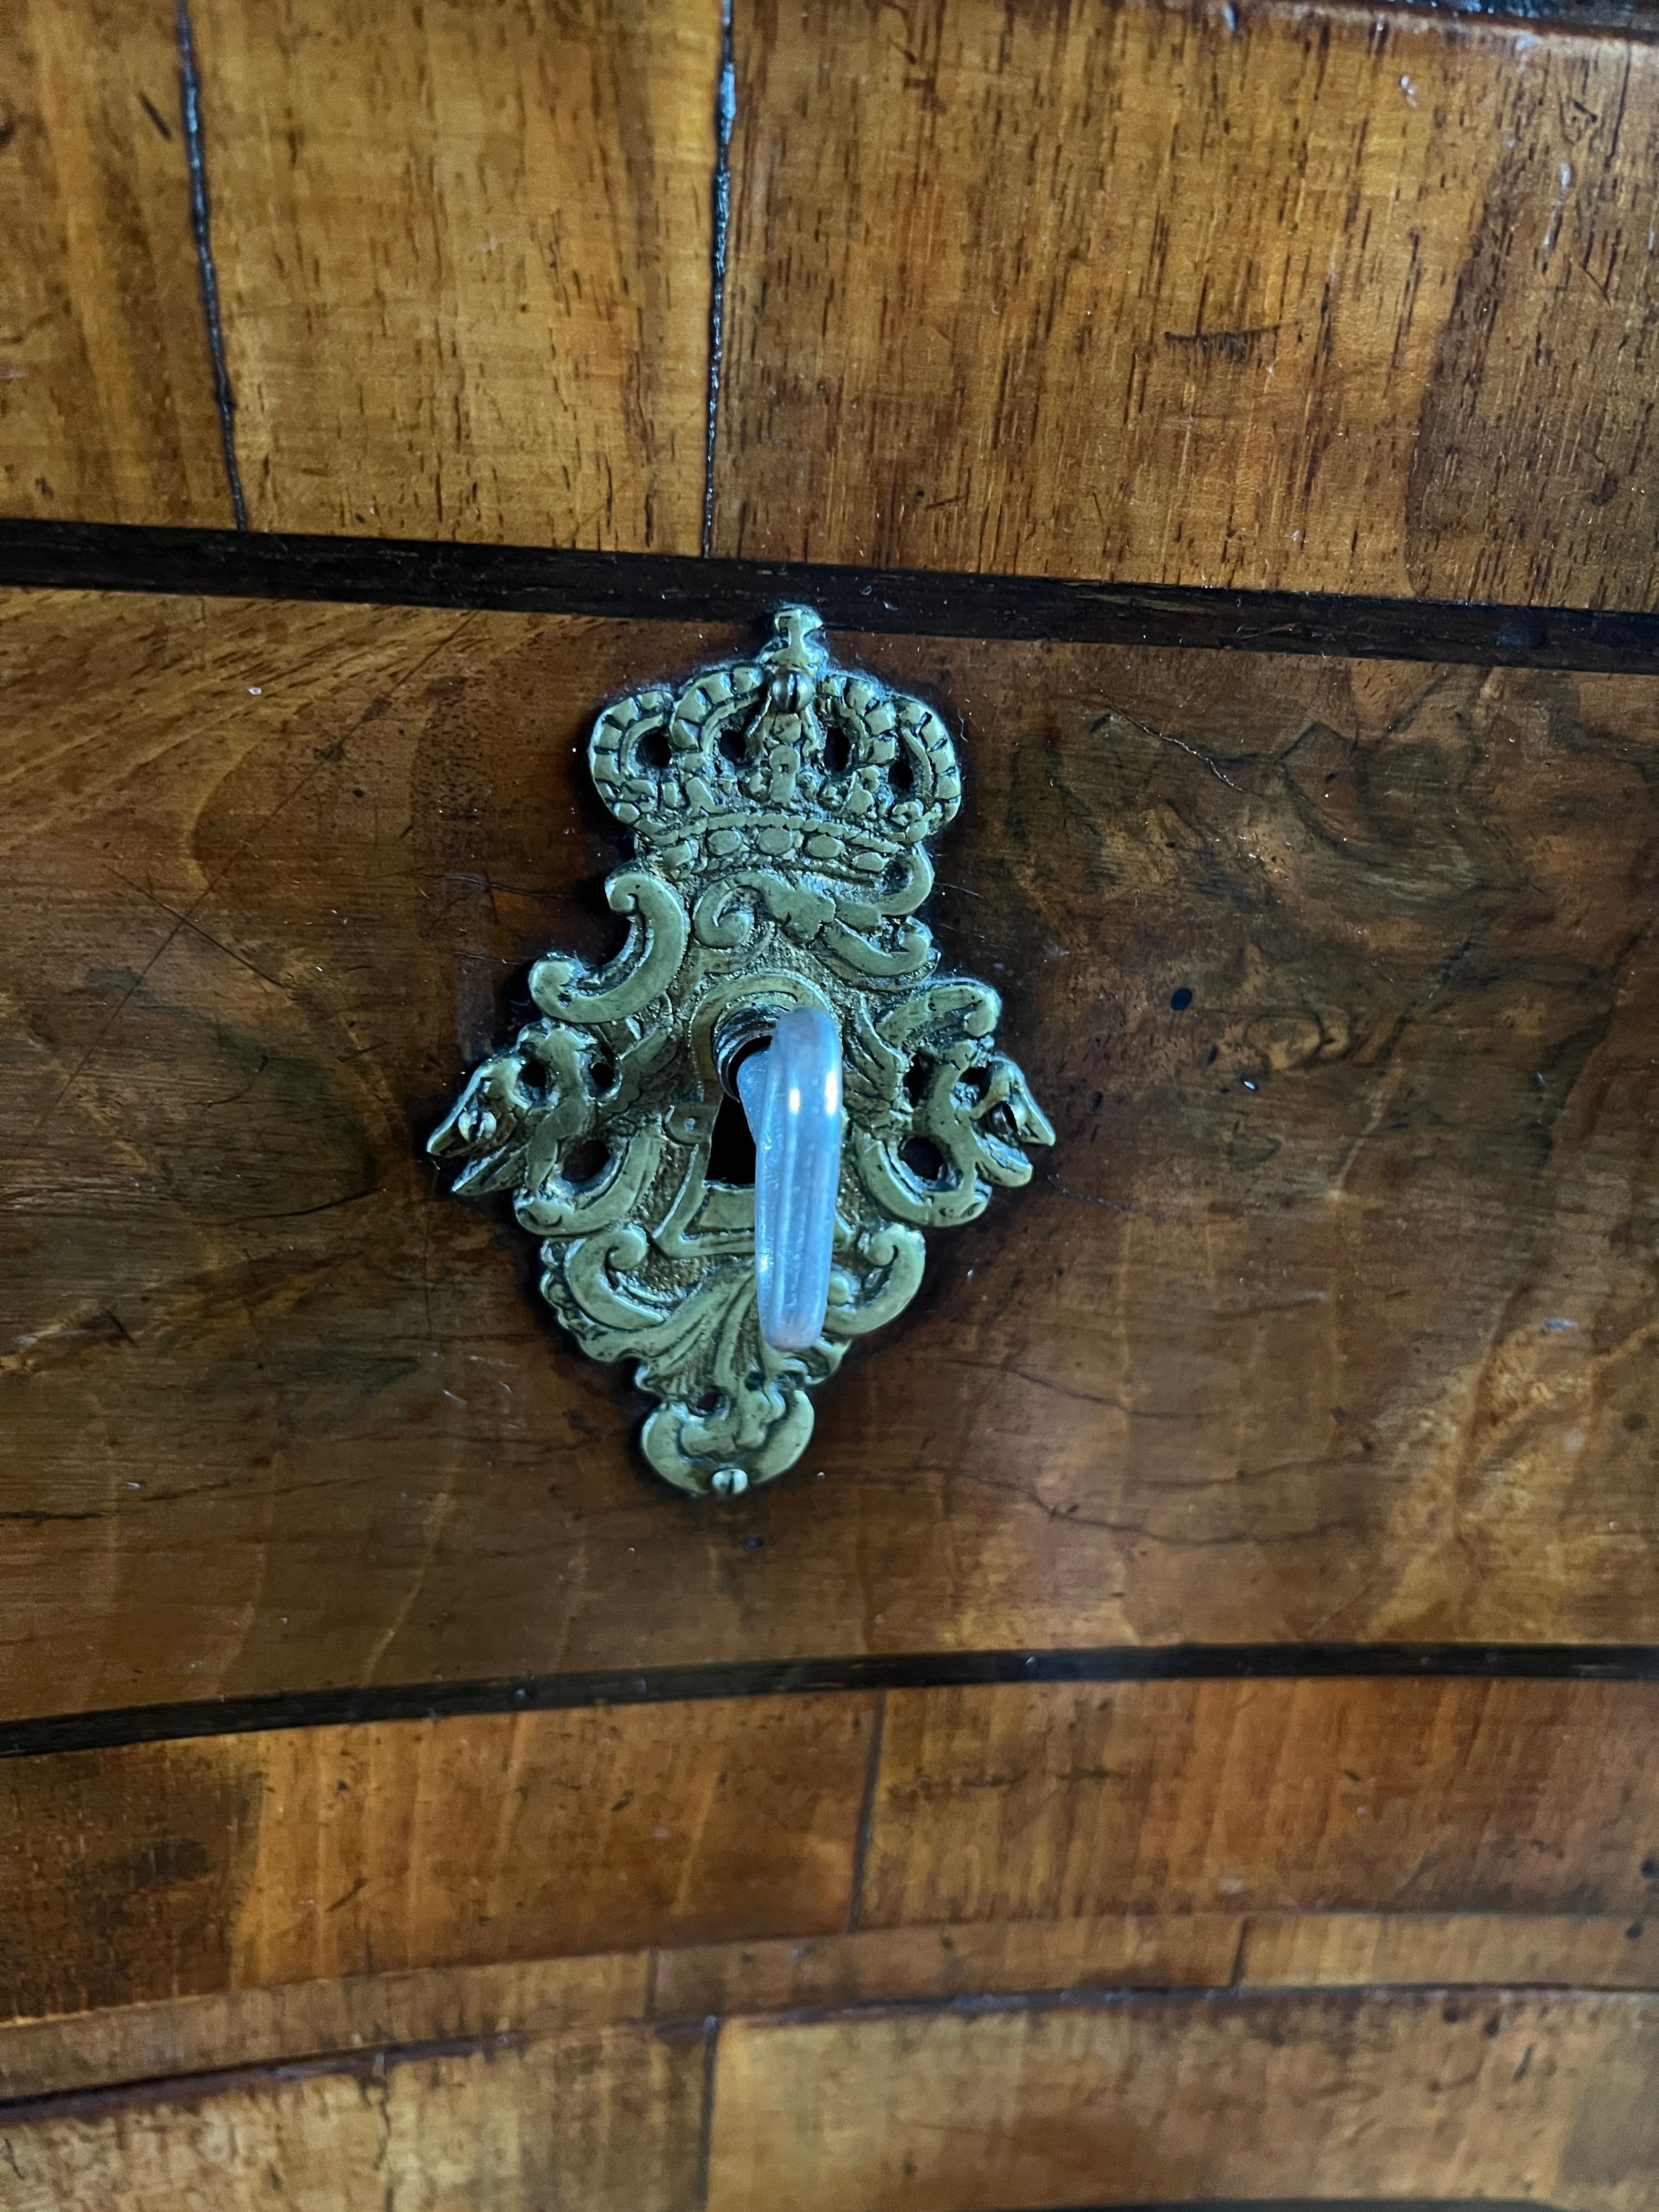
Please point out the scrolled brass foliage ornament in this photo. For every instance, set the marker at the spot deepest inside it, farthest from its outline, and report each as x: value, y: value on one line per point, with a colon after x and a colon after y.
x: 779, y: 808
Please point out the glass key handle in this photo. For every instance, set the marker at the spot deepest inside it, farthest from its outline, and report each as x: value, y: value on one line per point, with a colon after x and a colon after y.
x: 791, y: 1093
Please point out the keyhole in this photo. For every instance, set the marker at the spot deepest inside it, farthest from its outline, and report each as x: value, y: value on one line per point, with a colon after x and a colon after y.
x: 730, y: 1146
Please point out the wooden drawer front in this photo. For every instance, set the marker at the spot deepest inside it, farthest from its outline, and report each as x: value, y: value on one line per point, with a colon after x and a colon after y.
x: 1327, y: 1318
x: 1292, y: 297
x: 1149, y: 1943
x: 1312, y: 297
x: 1184, y: 1732
x: 1284, y: 2099
x: 837, y: 1848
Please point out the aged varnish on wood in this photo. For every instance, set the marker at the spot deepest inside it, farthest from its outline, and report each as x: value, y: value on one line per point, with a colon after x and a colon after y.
x: 880, y: 1845
x: 1330, y: 1319
x: 1321, y: 298
x: 1337, y: 299
x: 1184, y: 1731
x: 107, y: 393
x: 488, y: 315
x: 1334, y: 2095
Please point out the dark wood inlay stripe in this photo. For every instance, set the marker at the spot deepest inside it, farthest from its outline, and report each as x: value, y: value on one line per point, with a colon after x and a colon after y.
x: 396, y: 1701
x: 253, y: 564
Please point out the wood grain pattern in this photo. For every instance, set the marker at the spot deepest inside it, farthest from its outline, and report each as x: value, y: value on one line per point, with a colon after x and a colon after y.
x: 1016, y: 1803
x: 243, y: 1862
x: 1330, y: 1315
x: 106, y: 402
x: 1010, y: 1958
x: 605, y: 2121
x: 486, y: 316
x: 1007, y: 1840
x: 1133, y: 1951
x: 296, y: 2020
x: 1170, y: 2100
x: 897, y: 1965
x: 1144, y: 2098
x: 1282, y: 296
x: 1400, y: 1950
x: 1293, y: 297
x: 233, y: 2029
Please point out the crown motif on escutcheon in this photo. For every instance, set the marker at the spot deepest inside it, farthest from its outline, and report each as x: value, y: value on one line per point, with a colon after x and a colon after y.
x: 781, y: 757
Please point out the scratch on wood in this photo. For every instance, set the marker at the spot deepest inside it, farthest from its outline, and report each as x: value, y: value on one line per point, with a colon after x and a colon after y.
x: 725, y: 109
x: 1236, y: 346
x: 189, y: 108
x: 867, y: 1813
